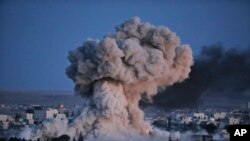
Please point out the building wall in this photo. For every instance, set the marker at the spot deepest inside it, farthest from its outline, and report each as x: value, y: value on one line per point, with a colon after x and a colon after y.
x: 3, y: 118
x: 40, y: 115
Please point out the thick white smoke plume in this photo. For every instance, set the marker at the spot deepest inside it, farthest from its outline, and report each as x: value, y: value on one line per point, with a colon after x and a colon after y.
x: 114, y: 74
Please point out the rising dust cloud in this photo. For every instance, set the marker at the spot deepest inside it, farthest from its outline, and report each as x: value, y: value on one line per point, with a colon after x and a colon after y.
x: 113, y: 74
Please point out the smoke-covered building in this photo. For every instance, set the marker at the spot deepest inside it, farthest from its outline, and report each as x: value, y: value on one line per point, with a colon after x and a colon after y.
x: 219, y: 115
x: 201, y: 117
x: 4, y: 125
x: 28, y: 117
x: 5, y: 121
x: 61, y: 116
x: 43, y: 114
x: 202, y: 138
x: 3, y: 118
x: 61, y: 109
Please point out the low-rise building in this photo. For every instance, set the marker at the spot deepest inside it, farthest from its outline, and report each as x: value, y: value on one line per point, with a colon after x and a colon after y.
x: 199, y: 115
x: 219, y: 115
x: 187, y: 120
x: 4, y: 125
x: 43, y: 114
x: 3, y: 118
x: 202, y: 137
x: 28, y: 116
x: 233, y: 121
x: 61, y: 116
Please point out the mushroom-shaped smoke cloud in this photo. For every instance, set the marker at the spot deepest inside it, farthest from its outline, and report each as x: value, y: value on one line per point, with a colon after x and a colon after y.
x: 119, y: 69
x: 113, y: 74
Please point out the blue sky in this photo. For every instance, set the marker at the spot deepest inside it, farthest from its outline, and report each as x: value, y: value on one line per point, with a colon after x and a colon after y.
x: 35, y: 36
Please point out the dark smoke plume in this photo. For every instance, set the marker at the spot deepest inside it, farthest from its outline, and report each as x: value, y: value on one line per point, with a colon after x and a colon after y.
x: 217, y: 72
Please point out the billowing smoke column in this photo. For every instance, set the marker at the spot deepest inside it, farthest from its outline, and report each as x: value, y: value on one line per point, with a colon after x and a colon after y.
x: 115, y: 73
x: 215, y: 74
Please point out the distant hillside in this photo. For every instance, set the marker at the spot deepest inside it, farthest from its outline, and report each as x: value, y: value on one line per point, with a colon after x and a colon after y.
x: 40, y: 97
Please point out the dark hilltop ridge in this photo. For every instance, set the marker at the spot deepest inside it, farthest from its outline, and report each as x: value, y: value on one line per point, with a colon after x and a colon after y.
x: 39, y: 97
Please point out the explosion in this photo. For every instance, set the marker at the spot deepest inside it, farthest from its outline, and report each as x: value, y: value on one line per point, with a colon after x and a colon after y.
x: 113, y: 74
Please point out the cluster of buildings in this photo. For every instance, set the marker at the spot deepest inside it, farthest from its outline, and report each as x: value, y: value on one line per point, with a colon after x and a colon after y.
x: 15, y: 117
x: 201, y: 125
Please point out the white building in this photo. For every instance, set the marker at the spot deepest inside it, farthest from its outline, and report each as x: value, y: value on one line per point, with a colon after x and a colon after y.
x: 199, y: 115
x: 6, y: 118
x: 233, y: 121
x: 51, y: 113
x: 186, y: 119
x: 219, y: 115
x: 3, y: 118
x: 27, y: 116
x: 43, y: 114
